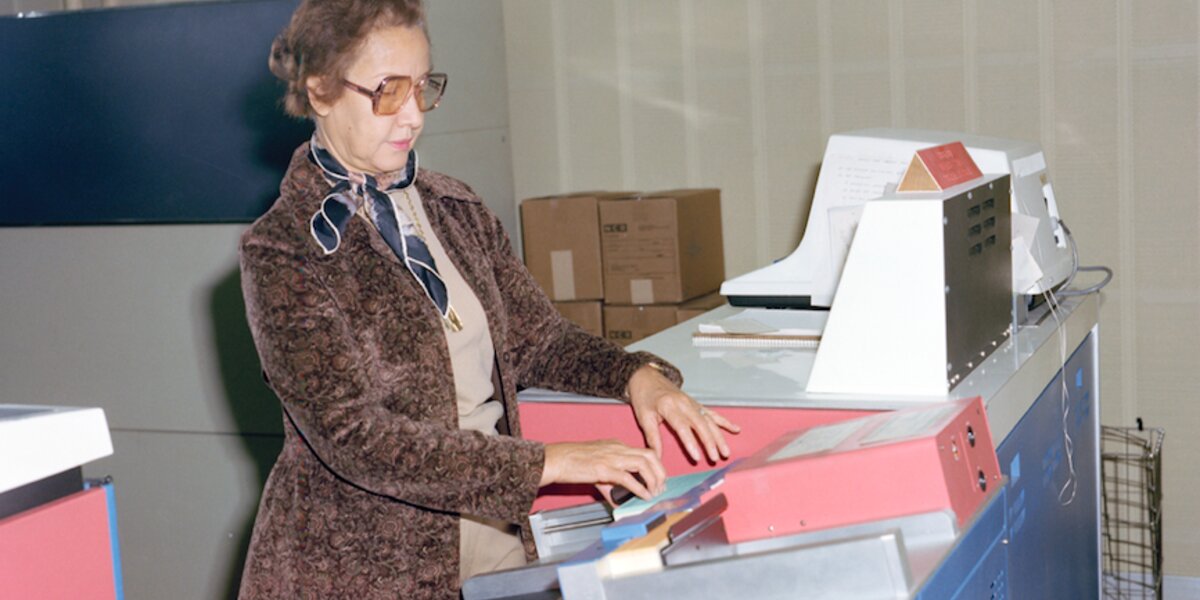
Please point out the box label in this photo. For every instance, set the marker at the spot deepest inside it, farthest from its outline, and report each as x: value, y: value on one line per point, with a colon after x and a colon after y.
x: 562, y: 274
x: 641, y: 291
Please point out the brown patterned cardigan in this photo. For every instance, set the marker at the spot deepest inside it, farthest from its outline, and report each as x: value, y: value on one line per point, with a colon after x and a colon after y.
x: 364, y: 498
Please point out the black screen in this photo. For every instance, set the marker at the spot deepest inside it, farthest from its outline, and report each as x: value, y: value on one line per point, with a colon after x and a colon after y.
x: 162, y: 114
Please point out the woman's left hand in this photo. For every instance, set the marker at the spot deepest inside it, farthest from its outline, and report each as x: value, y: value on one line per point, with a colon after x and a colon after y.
x: 655, y: 400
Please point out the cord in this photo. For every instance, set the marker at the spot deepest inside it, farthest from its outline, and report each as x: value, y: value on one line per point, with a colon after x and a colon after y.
x: 1054, y: 303
x: 1063, y: 292
x: 1072, y: 482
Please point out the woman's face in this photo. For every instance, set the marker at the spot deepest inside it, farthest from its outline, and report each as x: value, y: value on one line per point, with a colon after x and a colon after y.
x: 358, y: 138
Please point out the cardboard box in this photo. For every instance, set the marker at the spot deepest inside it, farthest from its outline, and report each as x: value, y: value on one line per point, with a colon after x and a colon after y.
x: 694, y: 308
x: 562, y: 245
x: 625, y: 324
x: 588, y: 314
x: 662, y: 248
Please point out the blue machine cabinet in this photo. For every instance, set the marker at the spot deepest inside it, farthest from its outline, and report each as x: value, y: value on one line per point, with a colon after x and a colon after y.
x: 1042, y: 538
x: 1053, y: 497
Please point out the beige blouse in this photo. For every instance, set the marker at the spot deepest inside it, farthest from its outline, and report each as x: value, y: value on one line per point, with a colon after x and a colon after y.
x: 472, y: 355
x: 484, y: 544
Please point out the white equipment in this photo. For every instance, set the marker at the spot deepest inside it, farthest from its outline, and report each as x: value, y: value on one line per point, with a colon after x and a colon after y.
x: 857, y: 167
x: 925, y: 295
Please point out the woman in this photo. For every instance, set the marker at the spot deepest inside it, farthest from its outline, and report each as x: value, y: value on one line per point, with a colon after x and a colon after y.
x: 395, y: 324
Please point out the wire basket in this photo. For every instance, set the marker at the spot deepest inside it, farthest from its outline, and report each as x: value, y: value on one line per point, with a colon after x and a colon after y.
x: 1131, y: 463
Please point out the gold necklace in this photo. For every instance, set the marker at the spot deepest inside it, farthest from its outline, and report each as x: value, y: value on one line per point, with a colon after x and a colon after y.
x: 451, y: 318
x: 411, y: 213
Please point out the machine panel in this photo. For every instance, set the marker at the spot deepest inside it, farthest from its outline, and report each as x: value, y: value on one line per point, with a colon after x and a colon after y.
x: 1040, y: 513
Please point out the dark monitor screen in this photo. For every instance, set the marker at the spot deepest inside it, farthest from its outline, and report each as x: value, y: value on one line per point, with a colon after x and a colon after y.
x: 160, y: 114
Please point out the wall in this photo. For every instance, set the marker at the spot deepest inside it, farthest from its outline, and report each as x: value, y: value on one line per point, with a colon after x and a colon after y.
x: 625, y: 94
x: 148, y: 323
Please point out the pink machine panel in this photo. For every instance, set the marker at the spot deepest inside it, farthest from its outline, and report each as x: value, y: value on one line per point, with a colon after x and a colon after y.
x: 565, y: 421
x: 916, y: 460
x: 62, y: 549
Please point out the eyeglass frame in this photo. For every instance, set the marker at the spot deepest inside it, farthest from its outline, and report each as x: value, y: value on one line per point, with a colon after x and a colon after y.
x: 377, y: 94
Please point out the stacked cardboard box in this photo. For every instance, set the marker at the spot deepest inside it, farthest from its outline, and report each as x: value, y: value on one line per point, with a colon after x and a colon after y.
x: 626, y: 324
x: 653, y: 259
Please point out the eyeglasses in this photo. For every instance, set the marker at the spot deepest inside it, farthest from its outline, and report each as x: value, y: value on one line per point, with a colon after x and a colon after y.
x: 392, y: 93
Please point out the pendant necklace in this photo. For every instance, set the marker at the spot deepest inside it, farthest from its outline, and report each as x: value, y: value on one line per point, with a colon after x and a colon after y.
x: 450, y: 319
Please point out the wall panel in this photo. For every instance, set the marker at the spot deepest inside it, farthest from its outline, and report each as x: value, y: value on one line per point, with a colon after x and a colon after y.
x: 861, y: 85
x: 792, y: 140
x: 656, y: 117
x: 932, y: 65
x: 1163, y: 95
x: 592, y: 99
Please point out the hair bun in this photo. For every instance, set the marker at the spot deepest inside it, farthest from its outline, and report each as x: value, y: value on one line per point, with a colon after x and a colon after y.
x: 283, y: 62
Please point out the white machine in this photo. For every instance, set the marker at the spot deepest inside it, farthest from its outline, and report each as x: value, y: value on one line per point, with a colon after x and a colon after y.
x: 925, y: 295
x: 858, y: 166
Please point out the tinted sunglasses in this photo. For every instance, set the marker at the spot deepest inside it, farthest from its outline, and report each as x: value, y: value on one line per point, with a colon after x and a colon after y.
x: 393, y: 92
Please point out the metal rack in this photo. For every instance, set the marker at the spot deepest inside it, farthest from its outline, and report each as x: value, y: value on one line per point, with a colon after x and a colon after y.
x: 1131, y: 463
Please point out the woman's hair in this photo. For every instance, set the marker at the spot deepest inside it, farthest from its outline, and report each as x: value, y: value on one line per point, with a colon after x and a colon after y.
x: 323, y: 39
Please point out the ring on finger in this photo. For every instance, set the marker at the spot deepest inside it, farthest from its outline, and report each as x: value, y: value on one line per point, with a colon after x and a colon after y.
x: 703, y: 412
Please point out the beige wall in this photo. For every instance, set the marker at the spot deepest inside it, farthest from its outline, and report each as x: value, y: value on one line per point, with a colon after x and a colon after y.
x: 644, y: 94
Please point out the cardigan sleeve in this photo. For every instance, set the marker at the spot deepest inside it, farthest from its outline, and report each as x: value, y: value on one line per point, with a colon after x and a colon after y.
x: 322, y: 376
x: 548, y: 350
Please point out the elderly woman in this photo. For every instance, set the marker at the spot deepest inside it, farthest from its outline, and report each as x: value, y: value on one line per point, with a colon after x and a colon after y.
x: 395, y: 325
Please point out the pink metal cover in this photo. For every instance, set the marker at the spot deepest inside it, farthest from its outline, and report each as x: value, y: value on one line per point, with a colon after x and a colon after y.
x: 570, y: 422
x: 62, y: 549
x: 916, y: 460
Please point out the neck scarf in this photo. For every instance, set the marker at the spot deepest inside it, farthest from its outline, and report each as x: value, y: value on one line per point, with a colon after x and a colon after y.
x: 351, y: 191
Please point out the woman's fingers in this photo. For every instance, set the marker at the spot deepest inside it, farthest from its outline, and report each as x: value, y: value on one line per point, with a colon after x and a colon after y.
x: 632, y: 484
x: 684, y: 427
x: 698, y: 427
x: 648, y: 422
x: 716, y: 422
x: 656, y: 400
x: 637, y: 470
x: 723, y: 423
x: 605, y: 462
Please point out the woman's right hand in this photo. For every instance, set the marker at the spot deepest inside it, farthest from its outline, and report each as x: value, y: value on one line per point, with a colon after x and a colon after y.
x: 605, y: 463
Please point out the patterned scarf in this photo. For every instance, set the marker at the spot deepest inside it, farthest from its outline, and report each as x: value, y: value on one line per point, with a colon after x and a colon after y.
x: 351, y: 191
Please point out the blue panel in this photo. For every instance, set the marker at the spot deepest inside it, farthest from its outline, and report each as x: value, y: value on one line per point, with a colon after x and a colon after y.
x: 148, y: 114
x: 110, y: 499
x: 116, y: 540
x: 631, y: 527
x: 1053, y: 550
x: 976, y: 567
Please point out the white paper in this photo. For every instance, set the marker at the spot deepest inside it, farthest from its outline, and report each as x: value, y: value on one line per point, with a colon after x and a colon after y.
x: 762, y: 321
x: 1026, y: 271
